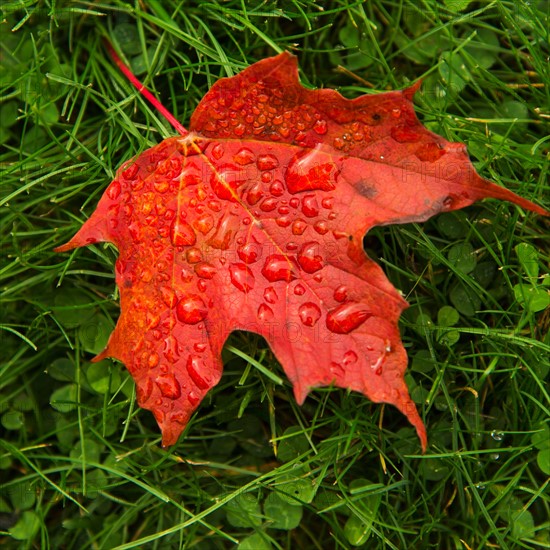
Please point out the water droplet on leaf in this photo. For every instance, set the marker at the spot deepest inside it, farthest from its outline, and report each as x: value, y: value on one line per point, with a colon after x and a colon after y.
x: 309, y: 314
x: 347, y: 317
x: 191, y: 309
x: 241, y: 277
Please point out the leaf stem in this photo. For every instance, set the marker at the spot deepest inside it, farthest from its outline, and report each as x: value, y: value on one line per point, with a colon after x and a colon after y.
x: 144, y: 91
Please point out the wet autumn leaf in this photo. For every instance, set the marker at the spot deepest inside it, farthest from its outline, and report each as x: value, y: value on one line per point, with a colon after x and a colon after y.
x: 254, y: 220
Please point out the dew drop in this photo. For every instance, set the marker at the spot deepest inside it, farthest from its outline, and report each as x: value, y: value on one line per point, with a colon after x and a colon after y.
x: 204, y: 224
x: 254, y: 194
x: 298, y: 227
x: 113, y: 191
x: 291, y: 247
x: 347, y: 317
x: 239, y: 130
x: 217, y: 151
x: 294, y: 202
x: 276, y: 188
x: 321, y: 227
x: 196, y: 368
x: 199, y: 348
x: 193, y: 255
x: 215, y: 205
x: 191, y: 309
x: 169, y: 387
x: 241, y: 277
x: 309, y: 314
x: 309, y: 259
x: 350, y: 358
x: 299, y: 290
x: 267, y: 162
x: 278, y: 268
x: 320, y: 127
x: 341, y: 293
x: 310, y: 207
x: 244, y: 156
x: 153, y: 360
x: 186, y: 275
x: 270, y: 295
x: 307, y: 172
x: 283, y: 221
x: 182, y: 234
x: 131, y: 172
x: 161, y: 185
x: 144, y: 390
x: 205, y: 270
x: 250, y: 253
x: 168, y: 296
x: 327, y: 202
x: 265, y: 313
x: 193, y: 398
x: 227, y: 227
x: 338, y: 143
x: 269, y: 204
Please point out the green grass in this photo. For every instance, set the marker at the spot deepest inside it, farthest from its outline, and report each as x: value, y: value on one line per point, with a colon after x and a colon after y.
x: 81, y: 465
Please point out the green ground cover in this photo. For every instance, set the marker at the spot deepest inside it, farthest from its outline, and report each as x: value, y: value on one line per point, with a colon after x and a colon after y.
x: 81, y: 465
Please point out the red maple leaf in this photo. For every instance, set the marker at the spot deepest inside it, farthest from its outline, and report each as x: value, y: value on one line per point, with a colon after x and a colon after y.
x: 254, y: 221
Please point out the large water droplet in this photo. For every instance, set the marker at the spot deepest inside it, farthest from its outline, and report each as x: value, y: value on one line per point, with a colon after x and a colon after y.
x: 204, y: 224
x: 267, y: 162
x: 299, y: 290
x: 250, y: 252
x: 197, y: 372
x: 321, y: 227
x: 265, y: 313
x: 227, y: 227
x: 298, y: 227
x: 320, y: 127
x: 254, y: 194
x: 307, y: 172
x: 131, y: 172
x: 269, y: 204
x: 278, y: 268
x: 244, y: 156
x: 270, y: 295
x: 217, y: 151
x: 310, y: 207
x: 144, y: 390
x: 241, y: 277
x: 309, y: 258
x: 153, y: 360
x: 199, y: 348
x: 205, y: 270
x: 277, y: 188
x: 309, y: 313
x: 168, y: 385
x: 168, y: 296
x: 215, y: 205
x: 191, y: 309
x: 113, y: 191
x: 350, y: 358
x: 182, y: 234
x: 193, y: 255
x: 347, y: 317
x: 341, y: 293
